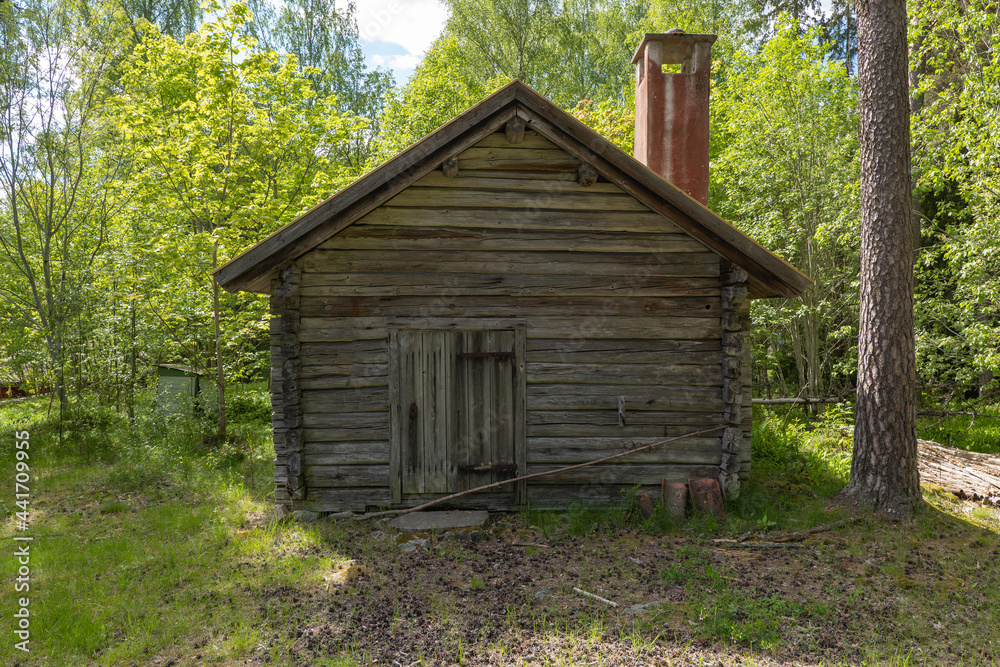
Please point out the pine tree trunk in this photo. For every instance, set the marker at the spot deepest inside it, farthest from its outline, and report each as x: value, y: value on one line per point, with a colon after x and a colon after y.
x: 884, y: 474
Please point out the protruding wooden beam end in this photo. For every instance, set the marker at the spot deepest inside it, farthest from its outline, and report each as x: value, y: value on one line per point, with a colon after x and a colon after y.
x: 515, y: 130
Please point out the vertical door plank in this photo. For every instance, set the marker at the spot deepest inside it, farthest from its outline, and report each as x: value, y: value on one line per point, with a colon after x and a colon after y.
x: 396, y: 420
x: 427, y: 395
x: 409, y: 424
x: 518, y: 412
x: 441, y: 377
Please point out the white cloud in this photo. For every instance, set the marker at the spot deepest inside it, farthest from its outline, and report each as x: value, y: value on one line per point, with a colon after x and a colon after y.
x: 406, y: 63
x: 413, y: 24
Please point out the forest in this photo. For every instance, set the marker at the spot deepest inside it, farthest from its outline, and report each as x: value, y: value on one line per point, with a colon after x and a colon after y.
x: 145, y: 144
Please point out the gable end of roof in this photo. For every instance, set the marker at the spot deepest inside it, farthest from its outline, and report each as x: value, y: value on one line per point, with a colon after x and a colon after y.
x: 769, y: 275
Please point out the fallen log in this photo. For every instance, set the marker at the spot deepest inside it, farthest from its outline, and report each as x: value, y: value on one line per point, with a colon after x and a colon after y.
x: 968, y: 475
x: 797, y: 401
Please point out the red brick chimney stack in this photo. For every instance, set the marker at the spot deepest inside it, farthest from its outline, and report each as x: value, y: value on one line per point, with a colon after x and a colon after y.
x: 671, y: 109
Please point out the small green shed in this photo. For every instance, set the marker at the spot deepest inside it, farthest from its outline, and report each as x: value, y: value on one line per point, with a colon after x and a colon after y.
x: 177, y: 388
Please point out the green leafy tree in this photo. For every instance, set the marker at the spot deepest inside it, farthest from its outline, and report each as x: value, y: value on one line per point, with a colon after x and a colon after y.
x: 56, y: 173
x: 443, y: 85
x: 229, y: 143
x: 176, y: 18
x: 957, y: 159
x: 786, y: 172
x: 325, y: 41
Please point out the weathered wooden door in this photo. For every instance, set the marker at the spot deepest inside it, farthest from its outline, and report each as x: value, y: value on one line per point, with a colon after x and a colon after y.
x: 458, y: 411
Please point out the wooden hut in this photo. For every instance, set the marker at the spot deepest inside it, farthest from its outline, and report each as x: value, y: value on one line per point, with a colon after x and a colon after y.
x: 509, y: 295
x: 177, y: 389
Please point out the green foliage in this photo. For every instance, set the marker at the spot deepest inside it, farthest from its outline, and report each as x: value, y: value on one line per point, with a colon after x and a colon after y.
x: 324, y: 40
x: 747, y: 619
x: 797, y: 465
x: 251, y: 404
x: 576, y: 52
x: 443, y: 85
x: 612, y: 120
x: 229, y: 144
x: 785, y: 171
x: 57, y: 177
x: 975, y: 432
x: 957, y: 163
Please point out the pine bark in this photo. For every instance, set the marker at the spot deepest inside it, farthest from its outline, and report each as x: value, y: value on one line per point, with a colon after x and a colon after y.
x: 884, y: 475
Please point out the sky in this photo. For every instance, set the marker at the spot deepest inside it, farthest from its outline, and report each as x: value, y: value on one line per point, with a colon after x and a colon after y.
x: 395, y: 34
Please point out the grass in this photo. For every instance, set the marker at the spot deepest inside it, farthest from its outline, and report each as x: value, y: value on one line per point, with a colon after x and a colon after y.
x: 152, y: 545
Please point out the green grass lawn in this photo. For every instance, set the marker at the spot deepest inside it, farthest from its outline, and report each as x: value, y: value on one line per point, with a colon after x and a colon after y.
x: 153, y: 546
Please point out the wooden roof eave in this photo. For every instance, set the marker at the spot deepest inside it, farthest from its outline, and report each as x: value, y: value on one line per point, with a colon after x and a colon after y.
x: 254, y: 269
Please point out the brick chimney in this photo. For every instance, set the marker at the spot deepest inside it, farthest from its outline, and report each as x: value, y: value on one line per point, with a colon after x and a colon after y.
x: 671, y: 109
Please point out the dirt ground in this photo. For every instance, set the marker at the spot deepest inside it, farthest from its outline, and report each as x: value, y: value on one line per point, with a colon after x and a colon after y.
x: 866, y: 593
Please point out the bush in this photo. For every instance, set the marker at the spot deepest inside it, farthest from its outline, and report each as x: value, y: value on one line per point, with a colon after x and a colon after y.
x: 250, y: 405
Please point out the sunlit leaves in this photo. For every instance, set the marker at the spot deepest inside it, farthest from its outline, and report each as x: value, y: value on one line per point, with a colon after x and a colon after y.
x: 956, y: 59
x: 231, y: 142
x: 785, y: 170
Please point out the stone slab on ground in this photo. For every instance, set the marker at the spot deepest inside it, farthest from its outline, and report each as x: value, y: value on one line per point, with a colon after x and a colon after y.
x: 418, y: 522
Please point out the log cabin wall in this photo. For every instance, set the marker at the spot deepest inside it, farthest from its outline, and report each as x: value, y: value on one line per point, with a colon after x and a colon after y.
x: 621, y: 314
x: 286, y: 406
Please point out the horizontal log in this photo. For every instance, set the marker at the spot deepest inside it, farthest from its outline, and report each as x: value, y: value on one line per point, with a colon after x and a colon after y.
x: 341, y: 476
x: 523, y: 263
x: 675, y: 375
x: 622, y: 473
x: 357, y: 370
x: 637, y: 398
x: 344, y: 499
x: 521, y: 220
x: 345, y: 434
x: 573, y: 329
x: 358, y: 399
x: 348, y: 349
x: 609, y: 417
x: 405, y: 237
x: 347, y: 420
x: 327, y: 329
x: 470, y: 284
x: 516, y: 157
x: 456, y: 323
x: 581, y: 199
x: 518, y: 174
x: 569, y: 355
x: 639, y: 346
x: 601, y: 326
x: 341, y: 358
x: 342, y: 382
x: 562, y: 496
x: 489, y: 180
x: 505, y: 306
x: 531, y: 140
x: 599, y: 431
x: 703, y: 451
x: 346, y: 453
